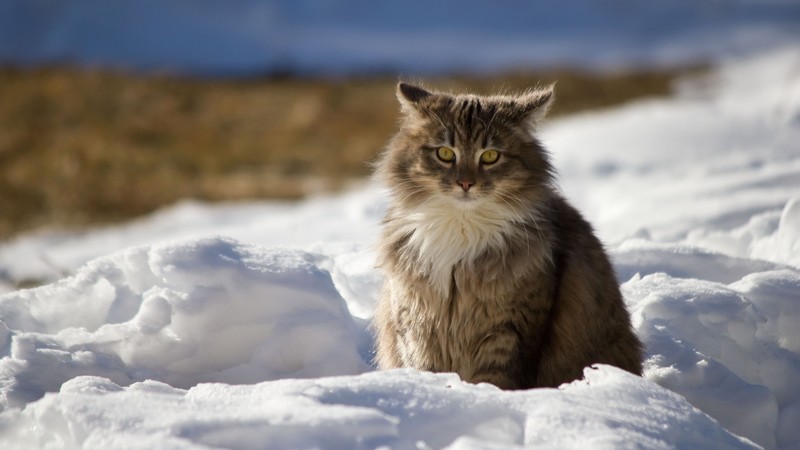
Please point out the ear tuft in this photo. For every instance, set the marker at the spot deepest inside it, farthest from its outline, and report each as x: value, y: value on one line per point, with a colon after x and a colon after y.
x: 536, y: 104
x: 410, y: 93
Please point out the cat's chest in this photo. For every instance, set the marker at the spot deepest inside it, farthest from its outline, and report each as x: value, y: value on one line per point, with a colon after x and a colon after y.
x: 446, y: 332
x: 444, y: 244
x: 451, y: 238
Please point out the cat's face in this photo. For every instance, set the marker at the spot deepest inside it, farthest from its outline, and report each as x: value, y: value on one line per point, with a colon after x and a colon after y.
x: 467, y: 151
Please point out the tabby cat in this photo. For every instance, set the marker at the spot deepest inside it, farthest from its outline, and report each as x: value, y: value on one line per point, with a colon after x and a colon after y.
x: 490, y: 273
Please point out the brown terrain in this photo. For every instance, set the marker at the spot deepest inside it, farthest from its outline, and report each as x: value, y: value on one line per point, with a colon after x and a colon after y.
x: 80, y: 147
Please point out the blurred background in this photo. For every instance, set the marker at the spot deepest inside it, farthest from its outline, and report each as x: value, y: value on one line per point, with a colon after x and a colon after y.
x: 110, y: 109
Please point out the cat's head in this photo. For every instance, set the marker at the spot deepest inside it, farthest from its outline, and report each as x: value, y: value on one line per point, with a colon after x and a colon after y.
x: 468, y: 151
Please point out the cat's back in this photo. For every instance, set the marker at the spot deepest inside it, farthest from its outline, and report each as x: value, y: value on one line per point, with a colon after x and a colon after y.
x: 589, y: 321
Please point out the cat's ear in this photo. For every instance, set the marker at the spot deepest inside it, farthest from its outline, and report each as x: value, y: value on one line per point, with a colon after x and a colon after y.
x: 535, y: 104
x: 410, y: 93
x: 411, y: 96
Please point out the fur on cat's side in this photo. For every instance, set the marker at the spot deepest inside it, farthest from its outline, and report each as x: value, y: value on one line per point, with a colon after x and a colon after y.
x: 490, y: 273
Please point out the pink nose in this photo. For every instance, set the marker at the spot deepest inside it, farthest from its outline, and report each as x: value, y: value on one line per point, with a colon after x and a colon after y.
x: 465, y: 185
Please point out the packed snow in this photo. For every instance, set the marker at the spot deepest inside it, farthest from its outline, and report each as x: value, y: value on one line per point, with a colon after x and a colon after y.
x: 398, y: 409
x: 247, y: 325
x: 246, y: 37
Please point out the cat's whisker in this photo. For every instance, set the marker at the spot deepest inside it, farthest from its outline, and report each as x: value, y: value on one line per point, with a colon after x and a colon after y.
x: 399, y: 187
x: 411, y: 194
x: 422, y: 205
x: 438, y: 119
x: 531, y: 214
x: 492, y: 119
x: 396, y: 185
x: 527, y: 238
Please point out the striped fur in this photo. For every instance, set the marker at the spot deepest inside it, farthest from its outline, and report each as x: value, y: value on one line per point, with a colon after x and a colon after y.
x: 503, y: 281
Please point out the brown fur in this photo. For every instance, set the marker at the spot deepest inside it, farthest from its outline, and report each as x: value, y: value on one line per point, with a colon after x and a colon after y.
x: 503, y: 281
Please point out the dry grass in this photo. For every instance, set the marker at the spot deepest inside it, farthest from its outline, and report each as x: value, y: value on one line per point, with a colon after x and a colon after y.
x: 80, y: 147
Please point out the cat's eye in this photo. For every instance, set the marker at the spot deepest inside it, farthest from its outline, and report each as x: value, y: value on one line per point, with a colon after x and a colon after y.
x: 490, y: 156
x: 446, y: 154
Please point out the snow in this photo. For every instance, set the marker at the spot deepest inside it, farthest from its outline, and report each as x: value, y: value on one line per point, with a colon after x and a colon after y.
x: 398, y: 409
x: 247, y: 325
x: 204, y: 310
x: 245, y: 37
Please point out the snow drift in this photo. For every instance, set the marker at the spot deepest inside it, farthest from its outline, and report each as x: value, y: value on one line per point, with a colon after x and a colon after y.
x: 204, y: 310
x: 216, y: 310
x: 398, y: 409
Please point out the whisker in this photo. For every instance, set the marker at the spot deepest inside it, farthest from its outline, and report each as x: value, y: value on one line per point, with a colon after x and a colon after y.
x: 527, y: 237
x: 492, y: 119
x: 531, y: 214
x: 438, y: 119
x: 410, y: 194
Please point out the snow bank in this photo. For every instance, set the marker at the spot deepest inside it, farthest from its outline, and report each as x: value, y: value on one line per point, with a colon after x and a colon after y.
x: 720, y: 153
x: 397, y: 409
x: 183, y: 313
x: 244, y: 37
x: 732, y: 350
x: 337, y: 226
x: 213, y: 309
x: 770, y: 236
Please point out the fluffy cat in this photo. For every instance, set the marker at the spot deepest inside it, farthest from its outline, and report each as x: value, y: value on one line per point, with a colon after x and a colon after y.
x: 490, y: 273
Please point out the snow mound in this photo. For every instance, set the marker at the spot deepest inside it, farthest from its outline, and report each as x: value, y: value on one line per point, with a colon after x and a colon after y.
x: 720, y: 153
x: 307, y: 226
x: 774, y: 235
x: 726, y: 348
x: 398, y: 409
x: 182, y: 313
x: 216, y: 310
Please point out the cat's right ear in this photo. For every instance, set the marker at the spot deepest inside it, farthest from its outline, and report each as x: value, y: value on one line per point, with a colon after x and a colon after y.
x: 410, y: 93
x: 411, y: 96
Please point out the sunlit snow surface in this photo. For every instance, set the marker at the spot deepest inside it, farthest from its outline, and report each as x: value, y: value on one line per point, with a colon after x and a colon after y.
x: 219, y: 325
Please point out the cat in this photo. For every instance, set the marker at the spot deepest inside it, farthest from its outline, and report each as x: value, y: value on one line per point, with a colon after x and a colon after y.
x: 489, y: 271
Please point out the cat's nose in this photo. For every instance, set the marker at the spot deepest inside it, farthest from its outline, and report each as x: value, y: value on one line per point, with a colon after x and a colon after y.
x: 466, y: 184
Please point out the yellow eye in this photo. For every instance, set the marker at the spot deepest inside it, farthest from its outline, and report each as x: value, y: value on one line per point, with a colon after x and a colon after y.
x: 490, y: 156
x: 446, y: 154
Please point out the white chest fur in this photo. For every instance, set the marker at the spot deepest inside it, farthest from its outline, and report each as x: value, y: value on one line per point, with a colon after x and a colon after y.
x: 443, y: 235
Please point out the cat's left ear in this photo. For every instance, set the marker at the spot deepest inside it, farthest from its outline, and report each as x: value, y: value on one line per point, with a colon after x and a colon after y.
x: 411, y: 97
x: 536, y: 103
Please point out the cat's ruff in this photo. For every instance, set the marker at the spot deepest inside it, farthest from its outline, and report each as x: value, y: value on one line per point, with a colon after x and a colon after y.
x: 443, y: 234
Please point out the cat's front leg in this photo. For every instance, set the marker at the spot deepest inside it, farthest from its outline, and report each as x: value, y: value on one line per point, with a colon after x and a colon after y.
x: 496, y: 359
x: 498, y: 378
x: 387, y: 355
